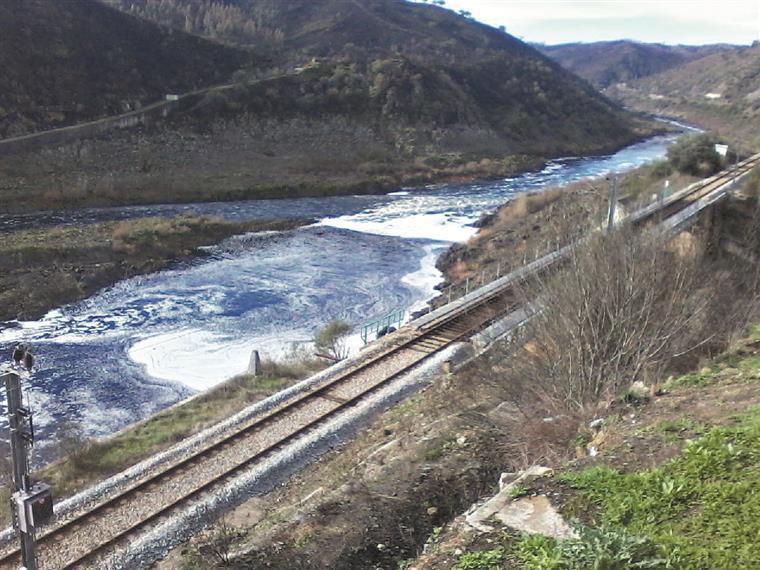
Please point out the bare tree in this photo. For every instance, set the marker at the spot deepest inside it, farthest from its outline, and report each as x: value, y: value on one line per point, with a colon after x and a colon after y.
x: 624, y: 306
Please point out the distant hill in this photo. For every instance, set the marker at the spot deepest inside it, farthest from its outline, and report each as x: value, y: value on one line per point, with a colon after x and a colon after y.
x: 357, y: 96
x: 720, y: 91
x: 607, y: 63
x: 67, y: 61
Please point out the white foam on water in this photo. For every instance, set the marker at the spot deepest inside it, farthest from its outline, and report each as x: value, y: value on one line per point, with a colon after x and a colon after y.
x: 439, y: 227
x: 425, y: 278
x: 201, y: 359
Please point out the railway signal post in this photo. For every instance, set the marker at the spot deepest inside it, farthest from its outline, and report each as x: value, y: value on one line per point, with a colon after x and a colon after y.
x: 31, y: 503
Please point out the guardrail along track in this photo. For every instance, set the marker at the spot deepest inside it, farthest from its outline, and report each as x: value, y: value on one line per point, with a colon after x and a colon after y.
x: 110, y: 524
x: 682, y: 199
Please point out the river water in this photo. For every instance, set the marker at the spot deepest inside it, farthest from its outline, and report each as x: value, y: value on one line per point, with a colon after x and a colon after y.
x: 150, y: 341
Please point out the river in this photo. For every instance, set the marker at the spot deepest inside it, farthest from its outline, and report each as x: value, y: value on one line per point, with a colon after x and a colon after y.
x: 151, y: 341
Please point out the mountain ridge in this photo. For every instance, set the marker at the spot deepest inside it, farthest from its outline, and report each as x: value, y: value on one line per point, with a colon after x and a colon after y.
x: 618, y: 61
x: 341, y: 99
x: 720, y: 91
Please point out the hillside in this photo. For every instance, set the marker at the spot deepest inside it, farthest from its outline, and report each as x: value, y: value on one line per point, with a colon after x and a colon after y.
x: 720, y: 91
x: 485, y: 76
x: 66, y: 62
x: 356, y: 97
x: 607, y: 63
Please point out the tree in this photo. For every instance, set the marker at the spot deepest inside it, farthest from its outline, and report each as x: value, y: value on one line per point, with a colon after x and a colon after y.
x: 331, y: 340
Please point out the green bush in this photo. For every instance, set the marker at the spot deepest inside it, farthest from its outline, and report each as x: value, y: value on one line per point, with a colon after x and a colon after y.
x: 331, y: 339
x: 695, y: 155
x: 661, y: 169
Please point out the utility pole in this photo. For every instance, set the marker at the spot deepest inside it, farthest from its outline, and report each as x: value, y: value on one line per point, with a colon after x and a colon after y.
x: 31, y: 503
x: 613, y: 204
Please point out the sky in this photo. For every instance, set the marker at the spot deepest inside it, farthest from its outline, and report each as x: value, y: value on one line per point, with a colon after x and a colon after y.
x: 692, y: 22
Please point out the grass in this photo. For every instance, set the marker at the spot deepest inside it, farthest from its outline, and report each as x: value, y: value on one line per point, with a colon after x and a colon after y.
x: 99, y: 459
x: 735, y: 366
x: 43, y: 268
x: 480, y: 560
x: 710, y: 490
x: 673, y: 430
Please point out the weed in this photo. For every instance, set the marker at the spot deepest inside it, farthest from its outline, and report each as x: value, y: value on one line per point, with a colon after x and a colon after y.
x: 605, y: 548
x: 480, y: 560
x: 710, y: 490
x: 672, y: 430
x: 517, y: 491
x: 704, y: 377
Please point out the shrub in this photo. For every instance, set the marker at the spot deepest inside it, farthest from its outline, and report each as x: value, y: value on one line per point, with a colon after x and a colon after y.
x: 752, y: 183
x: 622, y: 307
x: 695, y: 155
x: 331, y: 339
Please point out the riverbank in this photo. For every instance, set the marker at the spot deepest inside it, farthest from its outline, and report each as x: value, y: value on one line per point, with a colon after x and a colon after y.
x: 251, y: 160
x: 85, y: 462
x: 402, y: 493
x: 42, y: 269
x: 532, y: 225
x: 143, y: 345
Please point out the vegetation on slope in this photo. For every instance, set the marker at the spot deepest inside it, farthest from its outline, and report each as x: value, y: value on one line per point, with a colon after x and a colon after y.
x: 720, y: 91
x: 394, y: 497
x: 532, y: 225
x: 87, y: 462
x: 607, y: 63
x: 67, y: 62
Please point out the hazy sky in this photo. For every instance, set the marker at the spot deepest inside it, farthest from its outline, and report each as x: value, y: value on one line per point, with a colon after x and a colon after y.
x: 664, y: 21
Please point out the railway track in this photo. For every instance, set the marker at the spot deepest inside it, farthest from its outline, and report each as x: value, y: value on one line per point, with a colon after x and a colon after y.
x: 682, y: 199
x: 109, y: 525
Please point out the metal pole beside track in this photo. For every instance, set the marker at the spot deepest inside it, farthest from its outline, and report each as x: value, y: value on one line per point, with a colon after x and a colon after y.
x: 20, y: 457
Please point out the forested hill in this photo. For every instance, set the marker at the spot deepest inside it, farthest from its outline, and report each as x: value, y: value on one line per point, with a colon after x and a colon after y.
x: 606, y: 63
x: 409, y: 61
x: 67, y: 61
